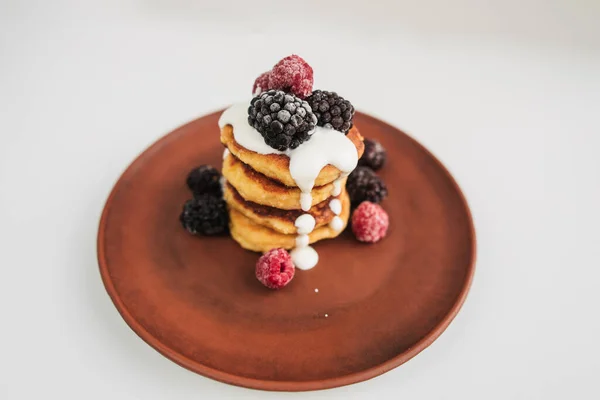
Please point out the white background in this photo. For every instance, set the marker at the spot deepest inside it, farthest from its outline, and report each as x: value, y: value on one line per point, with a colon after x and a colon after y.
x: 506, y: 93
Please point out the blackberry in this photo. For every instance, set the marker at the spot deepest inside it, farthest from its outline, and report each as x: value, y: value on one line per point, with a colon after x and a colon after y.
x: 205, y: 214
x: 364, y: 185
x: 283, y: 120
x: 332, y: 110
x: 374, y: 156
x: 204, y: 179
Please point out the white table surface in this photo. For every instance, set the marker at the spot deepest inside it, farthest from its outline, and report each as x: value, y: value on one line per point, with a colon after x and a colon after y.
x: 506, y: 94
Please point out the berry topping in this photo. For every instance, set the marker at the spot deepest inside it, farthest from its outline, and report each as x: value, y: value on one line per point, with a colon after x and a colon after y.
x: 283, y: 120
x: 332, y: 111
x: 370, y: 222
x: 364, y: 185
x: 275, y: 269
x: 374, y: 155
x: 261, y: 83
x: 206, y: 214
x: 204, y: 179
x: 292, y: 74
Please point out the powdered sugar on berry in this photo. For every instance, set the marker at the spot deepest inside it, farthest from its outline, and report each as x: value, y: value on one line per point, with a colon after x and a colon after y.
x: 244, y: 134
x: 275, y: 269
x: 292, y: 73
x: 261, y: 83
x: 370, y: 222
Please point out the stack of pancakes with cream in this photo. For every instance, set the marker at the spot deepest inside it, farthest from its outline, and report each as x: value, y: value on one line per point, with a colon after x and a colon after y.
x: 265, y: 202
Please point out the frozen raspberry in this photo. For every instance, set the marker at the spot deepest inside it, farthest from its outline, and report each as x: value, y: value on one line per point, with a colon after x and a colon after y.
x: 370, y: 222
x: 292, y: 74
x: 261, y: 84
x: 374, y: 155
x: 275, y: 269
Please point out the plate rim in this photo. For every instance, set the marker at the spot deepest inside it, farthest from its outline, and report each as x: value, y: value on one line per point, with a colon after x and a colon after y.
x: 274, y: 385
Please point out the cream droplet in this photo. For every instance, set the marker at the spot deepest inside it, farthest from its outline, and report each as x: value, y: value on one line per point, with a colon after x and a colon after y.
x: 225, y: 153
x: 336, y: 206
x: 305, y: 258
x: 305, y: 201
x: 337, y: 187
x: 302, y: 240
x: 305, y: 224
x: 336, y: 224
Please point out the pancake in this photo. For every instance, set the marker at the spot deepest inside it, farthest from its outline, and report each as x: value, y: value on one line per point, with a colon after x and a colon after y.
x: 256, y: 237
x: 281, y: 221
x: 257, y: 188
x: 277, y: 166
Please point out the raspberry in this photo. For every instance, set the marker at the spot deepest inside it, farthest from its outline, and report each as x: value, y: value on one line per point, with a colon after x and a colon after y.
x: 283, y: 120
x: 332, y: 110
x: 204, y: 179
x: 292, y: 74
x: 370, y: 222
x: 275, y: 269
x: 374, y: 156
x: 364, y: 185
x: 261, y: 83
x: 206, y: 214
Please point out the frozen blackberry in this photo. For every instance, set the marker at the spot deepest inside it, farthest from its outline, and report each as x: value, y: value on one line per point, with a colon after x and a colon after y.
x: 364, y: 185
x: 205, y: 214
x: 374, y: 155
x: 283, y: 120
x: 204, y: 179
x: 332, y: 110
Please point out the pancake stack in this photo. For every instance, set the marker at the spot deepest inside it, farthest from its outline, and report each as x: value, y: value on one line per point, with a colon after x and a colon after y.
x: 264, y: 201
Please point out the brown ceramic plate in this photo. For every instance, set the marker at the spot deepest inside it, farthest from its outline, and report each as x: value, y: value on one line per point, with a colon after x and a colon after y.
x: 197, y: 302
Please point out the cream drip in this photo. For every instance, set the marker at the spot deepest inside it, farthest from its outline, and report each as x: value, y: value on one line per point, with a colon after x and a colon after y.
x: 326, y: 146
x: 337, y: 187
x: 305, y: 201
